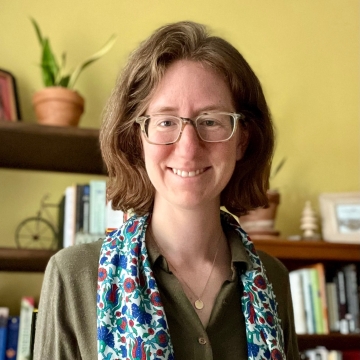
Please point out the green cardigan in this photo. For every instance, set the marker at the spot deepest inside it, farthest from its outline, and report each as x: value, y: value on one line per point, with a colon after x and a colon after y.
x: 66, y: 324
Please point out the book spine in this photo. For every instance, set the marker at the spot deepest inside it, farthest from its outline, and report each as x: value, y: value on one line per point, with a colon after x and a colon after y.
x: 297, y: 295
x: 79, y: 214
x: 4, y: 315
x: 315, y: 293
x: 12, y: 337
x: 33, y: 331
x: 333, y: 307
x: 79, y: 211
x: 97, y: 207
x: 86, y: 208
x: 61, y: 219
x: 323, y: 298
x: 114, y: 218
x: 352, y: 296
x: 24, y: 343
x: 341, y: 296
x: 306, y: 282
x: 69, y: 221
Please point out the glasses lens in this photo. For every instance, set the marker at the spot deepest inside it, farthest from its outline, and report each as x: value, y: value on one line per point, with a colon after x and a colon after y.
x: 162, y: 129
x: 215, y: 127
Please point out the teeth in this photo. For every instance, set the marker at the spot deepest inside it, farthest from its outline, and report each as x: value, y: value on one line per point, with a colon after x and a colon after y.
x: 184, y: 174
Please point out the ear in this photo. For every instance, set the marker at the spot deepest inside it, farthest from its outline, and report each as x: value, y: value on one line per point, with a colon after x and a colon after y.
x: 243, y: 139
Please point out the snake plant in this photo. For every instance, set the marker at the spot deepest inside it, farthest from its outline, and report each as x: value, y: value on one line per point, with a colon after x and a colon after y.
x: 53, y: 72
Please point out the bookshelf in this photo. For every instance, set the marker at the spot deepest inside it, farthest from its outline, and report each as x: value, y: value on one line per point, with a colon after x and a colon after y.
x: 36, y: 147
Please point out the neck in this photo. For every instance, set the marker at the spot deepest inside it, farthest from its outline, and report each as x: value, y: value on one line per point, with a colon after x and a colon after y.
x: 188, y: 235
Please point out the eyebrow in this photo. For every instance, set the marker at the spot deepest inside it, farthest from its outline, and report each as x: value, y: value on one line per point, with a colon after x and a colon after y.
x: 167, y: 109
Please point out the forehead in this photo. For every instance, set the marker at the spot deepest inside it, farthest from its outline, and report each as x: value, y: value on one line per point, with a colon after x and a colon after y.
x: 192, y: 87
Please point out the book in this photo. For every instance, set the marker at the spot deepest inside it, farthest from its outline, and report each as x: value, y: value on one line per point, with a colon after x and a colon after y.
x: 33, y: 331
x: 341, y: 297
x: 114, y: 218
x: 333, y: 307
x: 352, y: 296
x: 308, y: 301
x: 69, y: 217
x: 86, y: 208
x: 316, y: 303
x: 334, y: 355
x: 4, y: 315
x: 12, y: 337
x: 61, y: 219
x: 97, y: 207
x: 321, y: 312
x: 79, y: 214
x: 24, y: 341
x: 79, y: 210
x: 297, y: 295
x: 319, y: 353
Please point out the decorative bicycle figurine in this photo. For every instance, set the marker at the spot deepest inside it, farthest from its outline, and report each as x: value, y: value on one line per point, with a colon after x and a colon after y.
x: 37, y: 232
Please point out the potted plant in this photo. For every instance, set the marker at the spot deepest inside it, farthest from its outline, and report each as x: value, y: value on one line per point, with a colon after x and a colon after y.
x: 260, y: 223
x: 58, y: 103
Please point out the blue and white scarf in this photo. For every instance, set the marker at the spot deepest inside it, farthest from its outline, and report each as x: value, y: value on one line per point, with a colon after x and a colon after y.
x: 131, y: 321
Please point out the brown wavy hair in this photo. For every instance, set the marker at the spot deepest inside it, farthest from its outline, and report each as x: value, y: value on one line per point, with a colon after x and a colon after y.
x: 129, y: 186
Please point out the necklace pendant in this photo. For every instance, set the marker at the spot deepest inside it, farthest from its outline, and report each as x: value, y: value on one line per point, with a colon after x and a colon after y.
x: 199, y: 304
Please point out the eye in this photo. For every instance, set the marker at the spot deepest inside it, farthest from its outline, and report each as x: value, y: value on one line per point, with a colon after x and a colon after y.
x: 166, y: 123
x: 209, y: 122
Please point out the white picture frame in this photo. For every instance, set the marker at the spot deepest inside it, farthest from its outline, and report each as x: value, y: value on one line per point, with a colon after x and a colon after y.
x: 340, y: 213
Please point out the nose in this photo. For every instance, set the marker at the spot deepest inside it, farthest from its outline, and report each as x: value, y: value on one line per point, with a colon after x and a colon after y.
x: 189, y: 130
x: 189, y: 142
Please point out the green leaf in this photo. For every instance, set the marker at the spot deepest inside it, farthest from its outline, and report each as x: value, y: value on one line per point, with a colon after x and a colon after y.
x: 63, y: 61
x: 108, y: 45
x: 278, y: 168
x: 64, y: 81
x: 47, y: 76
x: 37, y: 30
x: 49, y: 63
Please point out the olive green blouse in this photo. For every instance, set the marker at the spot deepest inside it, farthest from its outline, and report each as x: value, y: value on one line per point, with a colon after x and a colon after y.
x: 66, y: 325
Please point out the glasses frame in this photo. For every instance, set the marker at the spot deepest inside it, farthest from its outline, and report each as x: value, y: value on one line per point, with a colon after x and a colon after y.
x: 184, y: 121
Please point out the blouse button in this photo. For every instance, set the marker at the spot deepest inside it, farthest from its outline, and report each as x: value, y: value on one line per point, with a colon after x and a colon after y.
x: 202, y: 341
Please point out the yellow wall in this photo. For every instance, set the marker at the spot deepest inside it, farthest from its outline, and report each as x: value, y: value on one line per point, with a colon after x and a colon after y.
x: 306, y: 54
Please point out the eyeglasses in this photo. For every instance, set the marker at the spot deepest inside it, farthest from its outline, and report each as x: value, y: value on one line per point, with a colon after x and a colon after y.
x: 167, y: 129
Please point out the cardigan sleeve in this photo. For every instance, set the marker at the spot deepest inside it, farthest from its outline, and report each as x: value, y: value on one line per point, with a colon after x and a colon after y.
x: 66, y: 324
x: 54, y: 337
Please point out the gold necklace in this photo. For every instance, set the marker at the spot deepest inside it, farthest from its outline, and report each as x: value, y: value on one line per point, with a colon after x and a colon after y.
x: 198, y: 303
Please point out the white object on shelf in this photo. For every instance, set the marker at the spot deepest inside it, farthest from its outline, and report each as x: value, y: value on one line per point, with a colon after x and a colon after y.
x: 309, y: 222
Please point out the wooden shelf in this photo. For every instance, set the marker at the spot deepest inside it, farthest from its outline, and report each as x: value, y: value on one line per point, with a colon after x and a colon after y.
x: 50, y: 148
x: 333, y: 341
x: 24, y: 259
x: 298, y: 253
x: 13, y: 259
x: 309, y: 250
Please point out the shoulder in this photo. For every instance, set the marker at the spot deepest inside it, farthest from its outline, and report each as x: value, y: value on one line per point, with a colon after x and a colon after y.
x: 78, y: 257
x: 275, y: 269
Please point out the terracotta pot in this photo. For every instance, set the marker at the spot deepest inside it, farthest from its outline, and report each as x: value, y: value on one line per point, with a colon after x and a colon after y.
x: 58, y: 106
x: 261, y: 222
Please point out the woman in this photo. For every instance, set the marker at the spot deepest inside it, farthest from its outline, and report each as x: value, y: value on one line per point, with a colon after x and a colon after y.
x: 186, y: 131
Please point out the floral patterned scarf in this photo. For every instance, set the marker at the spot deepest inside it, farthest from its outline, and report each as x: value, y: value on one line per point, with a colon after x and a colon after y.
x: 131, y: 322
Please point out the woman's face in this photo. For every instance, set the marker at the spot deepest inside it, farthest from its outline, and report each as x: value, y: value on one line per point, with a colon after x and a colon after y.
x: 191, y: 173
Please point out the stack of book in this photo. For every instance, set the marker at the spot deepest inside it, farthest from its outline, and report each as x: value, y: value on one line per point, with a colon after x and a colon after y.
x: 16, y: 332
x: 85, y: 215
x: 323, y: 304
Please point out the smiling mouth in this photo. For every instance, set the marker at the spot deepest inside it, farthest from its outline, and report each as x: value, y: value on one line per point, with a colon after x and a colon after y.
x: 184, y: 174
